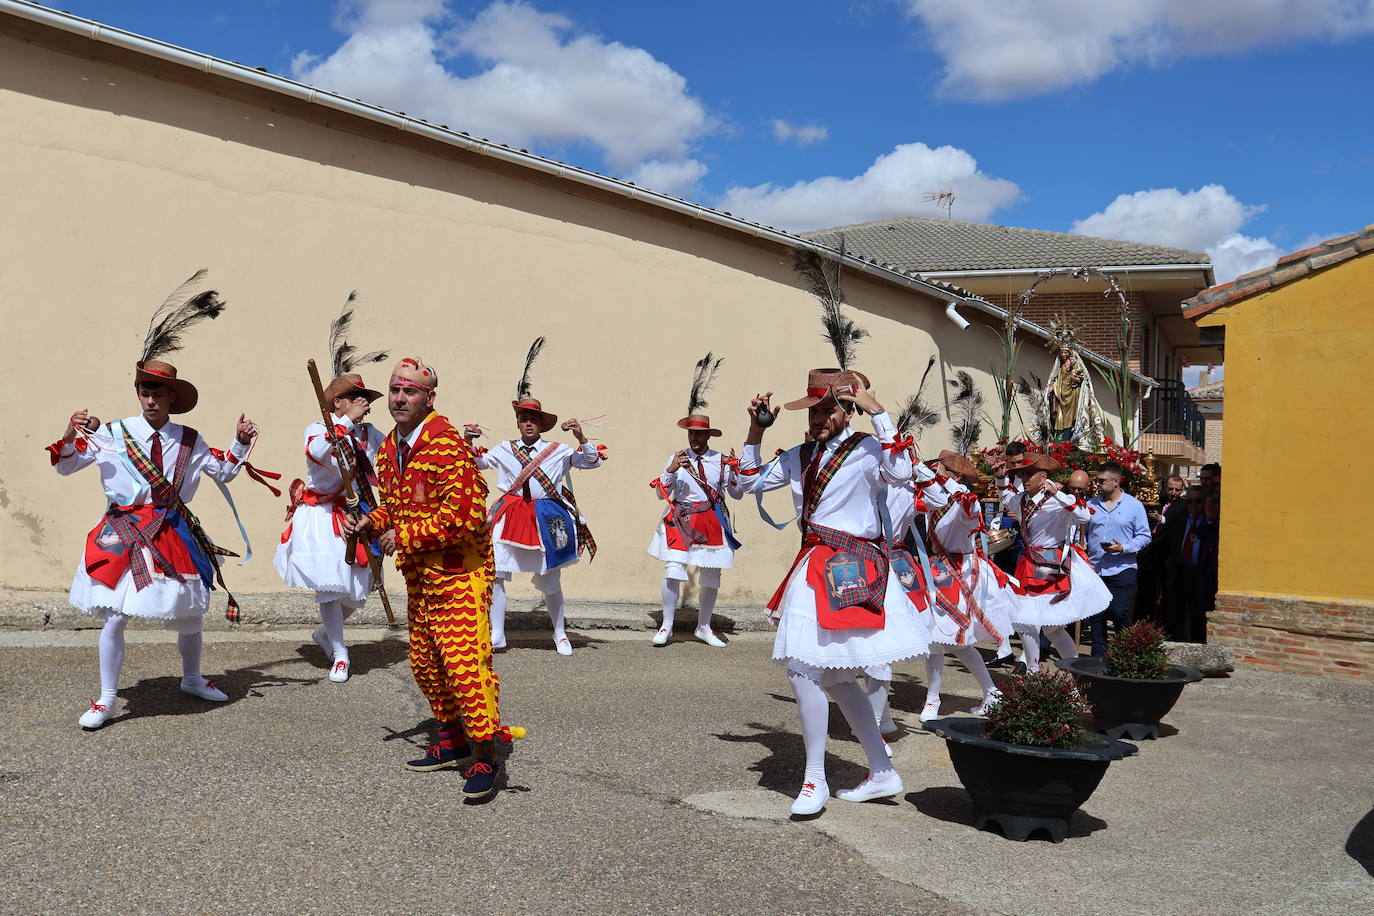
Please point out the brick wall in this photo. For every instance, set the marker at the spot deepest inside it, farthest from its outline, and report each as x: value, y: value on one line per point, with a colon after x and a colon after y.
x: 1296, y: 636
x: 1095, y: 314
x: 1213, y: 440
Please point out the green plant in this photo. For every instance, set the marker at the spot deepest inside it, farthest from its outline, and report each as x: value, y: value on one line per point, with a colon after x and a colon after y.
x: 1138, y: 652
x: 1043, y: 709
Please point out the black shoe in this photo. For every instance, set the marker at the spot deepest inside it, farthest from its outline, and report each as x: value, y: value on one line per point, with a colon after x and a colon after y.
x: 481, y: 779
x: 441, y: 758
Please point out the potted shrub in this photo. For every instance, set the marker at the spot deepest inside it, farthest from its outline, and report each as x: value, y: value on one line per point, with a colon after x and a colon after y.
x: 1134, y: 686
x: 1030, y: 764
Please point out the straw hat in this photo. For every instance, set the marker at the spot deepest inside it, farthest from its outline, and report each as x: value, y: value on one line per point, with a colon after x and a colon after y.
x: 958, y: 464
x: 155, y: 370
x: 1037, y: 462
x: 824, y: 383
x: 349, y: 385
x: 546, y: 420
x: 698, y: 421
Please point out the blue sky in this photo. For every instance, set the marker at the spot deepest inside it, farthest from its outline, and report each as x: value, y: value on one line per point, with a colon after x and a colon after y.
x: 1238, y: 127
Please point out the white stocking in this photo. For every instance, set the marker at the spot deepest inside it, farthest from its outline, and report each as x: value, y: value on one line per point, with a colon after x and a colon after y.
x: 1063, y: 643
x: 332, y: 616
x: 672, y: 590
x: 935, y: 673
x: 977, y: 667
x: 111, y: 656
x: 1030, y: 645
x: 706, y: 601
x: 554, y: 602
x: 877, y: 691
x: 849, y: 696
x: 498, y: 611
x: 190, y: 646
x: 814, y: 708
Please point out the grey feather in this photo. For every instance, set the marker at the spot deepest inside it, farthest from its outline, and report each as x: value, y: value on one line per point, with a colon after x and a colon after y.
x: 823, y: 276
x: 186, y: 305
x: 703, y: 377
x: 916, y: 415
x: 342, y: 353
x: 522, y: 390
x: 967, y: 407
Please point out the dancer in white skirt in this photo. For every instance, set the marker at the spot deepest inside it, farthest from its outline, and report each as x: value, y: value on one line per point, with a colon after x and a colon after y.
x: 536, y: 526
x: 970, y: 599
x: 148, y: 556
x: 695, y: 530
x: 1057, y: 584
x: 838, y: 611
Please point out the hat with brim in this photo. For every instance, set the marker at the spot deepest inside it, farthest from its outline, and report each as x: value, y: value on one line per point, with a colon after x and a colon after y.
x: 700, y: 422
x: 1036, y: 463
x: 827, y: 383
x: 349, y: 385
x: 155, y: 370
x: 531, y: 405
x: 958, y: 464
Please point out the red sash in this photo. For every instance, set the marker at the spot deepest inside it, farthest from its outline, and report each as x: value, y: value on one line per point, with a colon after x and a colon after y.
x: 108, y: 558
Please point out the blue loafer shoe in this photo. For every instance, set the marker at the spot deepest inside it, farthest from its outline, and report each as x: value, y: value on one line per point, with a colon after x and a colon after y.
x: 480, y: 778
x: 441, y: 758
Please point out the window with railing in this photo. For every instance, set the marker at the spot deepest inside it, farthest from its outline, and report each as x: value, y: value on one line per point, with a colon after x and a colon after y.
x: 1172, y: 412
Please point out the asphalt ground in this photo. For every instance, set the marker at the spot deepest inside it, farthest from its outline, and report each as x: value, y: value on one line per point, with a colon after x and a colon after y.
x: 652, y: 781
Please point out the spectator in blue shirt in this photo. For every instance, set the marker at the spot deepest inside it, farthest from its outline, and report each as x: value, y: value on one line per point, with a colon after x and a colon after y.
x: 1117, y: 531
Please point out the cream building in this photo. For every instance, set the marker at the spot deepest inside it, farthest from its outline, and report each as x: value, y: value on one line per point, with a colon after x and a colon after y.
x: 129, y: 163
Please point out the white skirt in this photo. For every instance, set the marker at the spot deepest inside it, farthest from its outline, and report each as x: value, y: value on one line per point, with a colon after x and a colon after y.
x: 721, y: 557
x: 1088, y: 595
x: 163, y: 599
x: 313, y: 558
x: 801, y: 639
x: 995, y: 601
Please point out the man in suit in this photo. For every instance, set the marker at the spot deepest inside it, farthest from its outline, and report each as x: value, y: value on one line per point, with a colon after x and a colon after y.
x: 1185, y: 544
x: 1151, y: 559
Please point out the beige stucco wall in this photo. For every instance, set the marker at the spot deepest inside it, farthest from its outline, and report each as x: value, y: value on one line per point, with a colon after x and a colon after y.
x: 119, y: 184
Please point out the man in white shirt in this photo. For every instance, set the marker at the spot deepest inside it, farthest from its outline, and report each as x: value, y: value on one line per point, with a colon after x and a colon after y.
x: 838, y: 611
x: 148, y: 557
x: 536, y: 526
x: 695, y: 530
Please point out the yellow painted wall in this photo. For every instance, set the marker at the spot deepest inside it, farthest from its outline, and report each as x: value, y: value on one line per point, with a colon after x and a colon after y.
x: 118, y: 184
x: 1299, y: 433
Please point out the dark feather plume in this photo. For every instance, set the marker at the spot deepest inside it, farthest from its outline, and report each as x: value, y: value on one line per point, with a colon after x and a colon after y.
x: 823, y: 275
x: 702, y: 379
x: 186, y: 305
x: 1033, y: 396
x: 967, y: 407
x: 523, y: 389
x: 344, y: 355
x: 916, y: 415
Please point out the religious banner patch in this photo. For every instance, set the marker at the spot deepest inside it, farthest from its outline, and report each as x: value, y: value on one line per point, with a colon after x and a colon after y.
x: 557, y: 532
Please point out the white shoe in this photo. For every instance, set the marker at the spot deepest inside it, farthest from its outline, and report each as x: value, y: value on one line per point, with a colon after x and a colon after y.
x: 711, y: 639
x: 930, y: 711
x: 498, y: 644
x: 870, y: 789
x: 887, y: 747
x: 563, y: 646
x: 97, y: 715
x: 811, y: 799
x: 322, y: 641
x: 206, y: 690
x: 339, y: 673
x: 994, y: 695
x: 661, y: 637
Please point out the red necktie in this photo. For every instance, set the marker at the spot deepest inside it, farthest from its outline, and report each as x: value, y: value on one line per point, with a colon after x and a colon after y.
x: 404, y: 451
x: 157, y: 450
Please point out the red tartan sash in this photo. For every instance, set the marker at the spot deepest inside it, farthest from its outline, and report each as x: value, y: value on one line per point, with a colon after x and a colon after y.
x: 529, y: 470
x: 303, y: 496
x: 861, y: 604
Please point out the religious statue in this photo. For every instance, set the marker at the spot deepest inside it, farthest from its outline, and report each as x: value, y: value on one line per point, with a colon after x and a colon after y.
x: 1069, y: 409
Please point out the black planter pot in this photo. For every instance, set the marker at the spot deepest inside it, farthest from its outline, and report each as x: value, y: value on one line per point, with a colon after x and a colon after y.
x: 1128, y: 707
x: 1023, y: 788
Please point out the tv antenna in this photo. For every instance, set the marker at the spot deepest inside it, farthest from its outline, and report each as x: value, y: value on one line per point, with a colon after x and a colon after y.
x: 943, y: 198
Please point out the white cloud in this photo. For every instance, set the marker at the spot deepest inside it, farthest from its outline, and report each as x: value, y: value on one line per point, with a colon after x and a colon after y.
x: 539, y: 82
x: 800, y: 134
x: 1208, y: 219
x: 896, y: 184
x: 1004, y: 49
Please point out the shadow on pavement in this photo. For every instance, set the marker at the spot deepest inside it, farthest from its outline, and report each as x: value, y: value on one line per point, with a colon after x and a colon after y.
x: 526, y: 639
x: 362, y: 657
x: 162, y: 696
x: 952, y: 805
x: 1360, y: 845
x: 781, y: 771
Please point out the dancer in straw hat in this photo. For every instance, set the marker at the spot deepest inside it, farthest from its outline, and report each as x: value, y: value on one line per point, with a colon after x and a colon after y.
x: 148, y: 556
x: 536, y: 525
x: 695, y: 530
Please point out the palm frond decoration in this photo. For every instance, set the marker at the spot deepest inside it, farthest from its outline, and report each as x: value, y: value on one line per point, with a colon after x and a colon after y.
x: 186, y: 305
x: 702, y: 379
x: 823, y: 275
x: 916, y: 415
x: 522, y: 390
x: 342, y: 353
x: 1032, y: 393
x: 967, y: 409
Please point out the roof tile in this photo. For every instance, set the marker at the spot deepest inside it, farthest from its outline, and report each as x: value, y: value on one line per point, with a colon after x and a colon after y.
x: 1299, y: 255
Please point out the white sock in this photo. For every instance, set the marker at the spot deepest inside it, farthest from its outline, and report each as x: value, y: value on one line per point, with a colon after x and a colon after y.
x: 672, y: 590
x: 849, y: 696
x: 935, y: 673
x: 332, y: 616
x: 498, y: 611
x: 977, y: 667
x: 1030, y: 645
x: 814, y: 709
x: 706, y: 599
x: 877, y: 691
x: 190, y: 646
x: 1063, y: 643
x: 111, y: 656
x: 554, y: 602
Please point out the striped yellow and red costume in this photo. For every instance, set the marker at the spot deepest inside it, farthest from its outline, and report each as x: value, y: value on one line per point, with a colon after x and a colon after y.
x: 443, y: 548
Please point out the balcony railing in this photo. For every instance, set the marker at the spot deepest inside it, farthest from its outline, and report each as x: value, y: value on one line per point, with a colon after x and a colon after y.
x: 1171, y: 411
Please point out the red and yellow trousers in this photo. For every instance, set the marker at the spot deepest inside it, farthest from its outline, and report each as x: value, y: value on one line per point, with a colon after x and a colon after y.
x: 450, y: 640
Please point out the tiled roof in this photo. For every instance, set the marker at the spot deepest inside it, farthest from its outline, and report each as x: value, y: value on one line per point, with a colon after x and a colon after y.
x: 924, y: 244
x: 1212, y: 391
x: 1290, y: 267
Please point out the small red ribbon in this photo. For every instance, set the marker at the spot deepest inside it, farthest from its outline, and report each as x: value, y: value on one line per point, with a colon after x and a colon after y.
x: 55, y: 450
x: 601, y: 453
x: 254, y: 472
x: 479, y: 450
x: 899, y: 444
